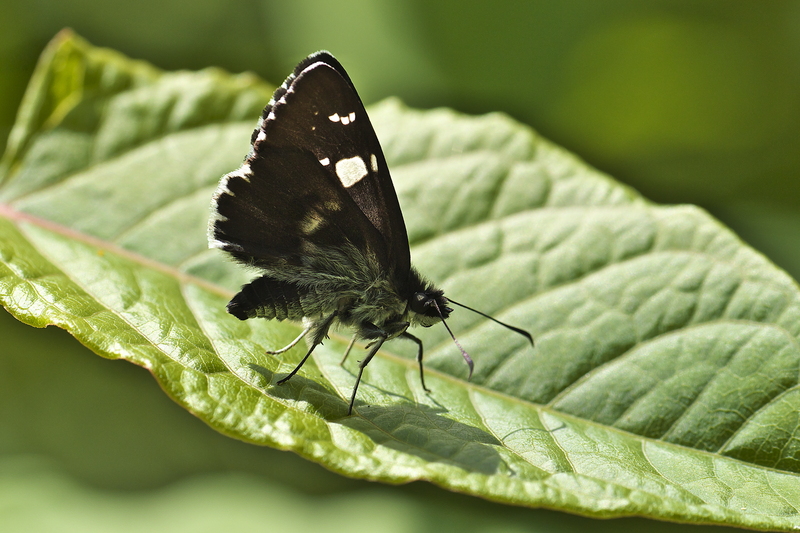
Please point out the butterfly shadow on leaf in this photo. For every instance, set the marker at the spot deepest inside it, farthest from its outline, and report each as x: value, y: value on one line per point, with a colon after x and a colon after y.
x: 423, y: 431
x: 407, y: 427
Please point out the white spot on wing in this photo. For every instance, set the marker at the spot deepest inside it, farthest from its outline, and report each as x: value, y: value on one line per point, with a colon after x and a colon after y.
x: 334, y: 117
x: 311, y: 223
x: 332, y: 205
x: 244, y: 172
x: 352, y: 116
x: 325, y: 162
x: 345, y: 120
x: 373, y: 162
x: 351, y: 171
x: 261, y: 136
x: 271, y: 116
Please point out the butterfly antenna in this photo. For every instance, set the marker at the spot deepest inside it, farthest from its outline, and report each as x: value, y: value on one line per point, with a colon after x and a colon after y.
x: 493, y: 319
x: 467, y: 358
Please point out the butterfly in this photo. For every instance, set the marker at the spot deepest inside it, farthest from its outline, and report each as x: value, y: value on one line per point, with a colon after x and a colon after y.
x: 314, y: 210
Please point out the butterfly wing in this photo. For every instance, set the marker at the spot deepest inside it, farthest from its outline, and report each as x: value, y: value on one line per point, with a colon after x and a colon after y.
x: 319, y: 110
x: 313, y: 206
x: 282, y: 209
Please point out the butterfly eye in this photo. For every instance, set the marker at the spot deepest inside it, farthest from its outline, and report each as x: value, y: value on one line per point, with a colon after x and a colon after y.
x: 421, y: 303
x: 431, y: 304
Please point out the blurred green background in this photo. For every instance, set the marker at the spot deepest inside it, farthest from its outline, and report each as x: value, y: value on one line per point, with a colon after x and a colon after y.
x: 687, y: 101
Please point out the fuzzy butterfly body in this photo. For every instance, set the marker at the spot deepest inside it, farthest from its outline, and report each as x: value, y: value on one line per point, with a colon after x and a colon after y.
x: 313, y: 208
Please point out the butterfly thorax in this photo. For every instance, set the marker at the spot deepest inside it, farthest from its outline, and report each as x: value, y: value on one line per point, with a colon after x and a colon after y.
x: 387, y: 308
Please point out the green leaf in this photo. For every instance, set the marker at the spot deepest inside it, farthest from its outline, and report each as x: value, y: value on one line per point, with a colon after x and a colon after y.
x: 664, y: 381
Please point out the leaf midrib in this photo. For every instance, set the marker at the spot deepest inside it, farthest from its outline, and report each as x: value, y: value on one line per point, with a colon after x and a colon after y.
x: 17, y: 216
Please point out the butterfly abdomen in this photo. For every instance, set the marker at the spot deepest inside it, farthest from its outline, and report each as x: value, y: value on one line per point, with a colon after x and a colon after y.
x: 267, y: 298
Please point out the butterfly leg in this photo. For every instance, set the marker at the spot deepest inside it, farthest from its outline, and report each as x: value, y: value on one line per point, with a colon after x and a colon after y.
x: 320, y: 332
x: 374, y: 346
x: 349, y: 347
x: 291, y: 344
x: 409, y: 336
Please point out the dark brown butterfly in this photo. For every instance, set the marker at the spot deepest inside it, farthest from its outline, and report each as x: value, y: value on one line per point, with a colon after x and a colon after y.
x: 313, y: 208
